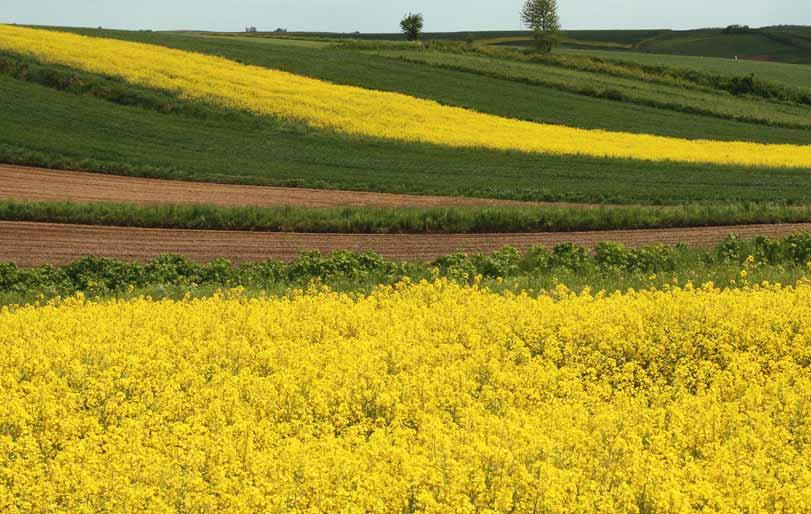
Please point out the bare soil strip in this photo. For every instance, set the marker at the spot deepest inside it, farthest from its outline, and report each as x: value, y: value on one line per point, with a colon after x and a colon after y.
x: 36, y: 184
x: 35, y: 244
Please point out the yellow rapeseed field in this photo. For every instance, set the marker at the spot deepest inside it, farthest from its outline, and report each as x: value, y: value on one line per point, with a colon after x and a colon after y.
x: 427, y: 397
x: 363, y: 112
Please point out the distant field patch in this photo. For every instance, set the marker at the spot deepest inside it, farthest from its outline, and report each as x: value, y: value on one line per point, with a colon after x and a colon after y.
x: 796, y: 75
x: 614, y: 82
x: 369, y: 113
x: 273, y: 40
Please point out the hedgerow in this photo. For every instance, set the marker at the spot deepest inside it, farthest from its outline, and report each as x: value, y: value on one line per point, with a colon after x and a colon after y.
x: 610, y: 263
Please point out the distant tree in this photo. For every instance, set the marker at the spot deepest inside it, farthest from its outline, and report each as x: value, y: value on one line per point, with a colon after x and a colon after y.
x: 737, y: 29
x: 412, y: 25
x: 542, y: 17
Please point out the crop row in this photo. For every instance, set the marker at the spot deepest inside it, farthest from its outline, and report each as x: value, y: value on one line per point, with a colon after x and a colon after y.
x: 610, y: 266
x: 404, y: 220
x: 599, y: 84
x: 84, y: 134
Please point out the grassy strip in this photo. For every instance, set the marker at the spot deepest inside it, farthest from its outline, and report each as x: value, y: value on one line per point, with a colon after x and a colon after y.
x: 118, y: 91
x: 674, y: 97
x: 610, y: 267
x: 669, y: 75
x: 113, y: 90
x: 398, y: 220
x: 787, y: 75
x: 719, y: 43
x: 616, y: 66
x: 740, y: 85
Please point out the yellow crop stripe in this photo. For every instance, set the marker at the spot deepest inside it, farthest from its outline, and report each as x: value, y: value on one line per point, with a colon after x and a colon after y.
x: 364, y: 112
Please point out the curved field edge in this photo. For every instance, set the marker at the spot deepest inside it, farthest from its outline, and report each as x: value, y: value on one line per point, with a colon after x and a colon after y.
x: 618, y: 88
x: 792, y: 75
x: 371, y: 113
x: 43, y: 127
x: 735, y: 262
x: 788, y: 74
x: 484, y: 220
x: 24, y: 184
x: 475, y: 92
x: 33, y: 244
x: 595, y: 115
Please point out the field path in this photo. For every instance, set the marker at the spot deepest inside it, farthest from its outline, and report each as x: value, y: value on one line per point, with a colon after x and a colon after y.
x: 34, y: 244
x: 36, y: 184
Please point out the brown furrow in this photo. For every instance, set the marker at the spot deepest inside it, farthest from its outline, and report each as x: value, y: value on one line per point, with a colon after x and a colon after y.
x: 37, y: 184
x: 34, y: 244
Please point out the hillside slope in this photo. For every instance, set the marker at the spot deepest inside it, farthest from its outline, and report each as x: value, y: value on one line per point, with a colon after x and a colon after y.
x: 767, y: 44
x: 49, y: 125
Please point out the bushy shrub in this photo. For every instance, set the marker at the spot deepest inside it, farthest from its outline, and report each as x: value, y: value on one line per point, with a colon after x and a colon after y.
x: 502, y: 263
x: 99, y: 276
x: 171, y: 270
x: 456, y: 266
x: 9, y: 275
x: 343, y: 264
x: 537, y: 259
x: 731, y: 249
x: 742, y: 85
x: 217, y: 272
x: 570, y: 257
x: 798, y: 247
x: 617, y: 257
x: 794, y: 249
x: 613, y: 256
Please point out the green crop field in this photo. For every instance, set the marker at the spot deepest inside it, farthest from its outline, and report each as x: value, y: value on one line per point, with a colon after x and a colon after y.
x: 484, y: 94
x: 762, y: 44
x: 59, y: 117
x: 43, y: 125
x: 780, y: 44
x: 503, y: 97
x: 795, y: 75
x: 675, y: 97
x: 622, y: 37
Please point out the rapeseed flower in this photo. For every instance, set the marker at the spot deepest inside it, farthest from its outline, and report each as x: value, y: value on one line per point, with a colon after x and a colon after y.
x: 426, y: 397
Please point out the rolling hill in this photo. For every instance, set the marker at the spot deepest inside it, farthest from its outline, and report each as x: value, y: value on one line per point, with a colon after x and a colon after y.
x: 322, y: 273
x: 460, y: 120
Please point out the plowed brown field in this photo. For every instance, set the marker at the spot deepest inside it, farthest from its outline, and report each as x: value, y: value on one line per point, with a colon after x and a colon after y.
x: 35, y: 184
x: 34, y: 244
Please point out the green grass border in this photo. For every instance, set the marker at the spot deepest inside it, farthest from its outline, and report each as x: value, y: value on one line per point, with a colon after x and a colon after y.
x: 402, y: 220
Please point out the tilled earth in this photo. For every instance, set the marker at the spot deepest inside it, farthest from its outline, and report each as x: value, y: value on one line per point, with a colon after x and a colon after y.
x: 35, y: 244
x: 36, y: 184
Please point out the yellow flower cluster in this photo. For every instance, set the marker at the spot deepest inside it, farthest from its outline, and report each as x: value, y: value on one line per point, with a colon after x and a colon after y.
x: 427, y: 397
x: 370, y: 113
